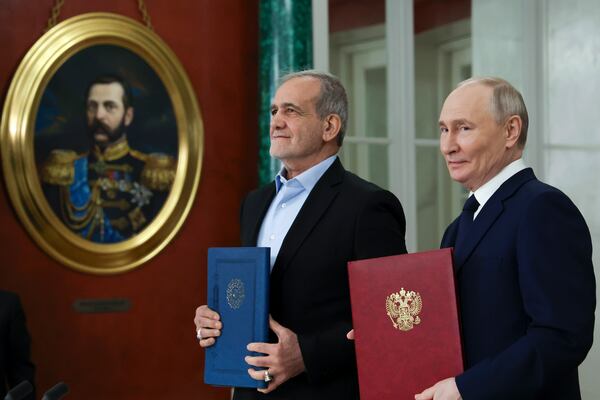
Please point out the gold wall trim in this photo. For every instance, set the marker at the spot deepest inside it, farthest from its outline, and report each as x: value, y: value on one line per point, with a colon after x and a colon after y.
x: 17, y: 132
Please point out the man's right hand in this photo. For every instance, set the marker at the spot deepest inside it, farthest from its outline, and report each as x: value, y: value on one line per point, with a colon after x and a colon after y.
x: 208, y: 325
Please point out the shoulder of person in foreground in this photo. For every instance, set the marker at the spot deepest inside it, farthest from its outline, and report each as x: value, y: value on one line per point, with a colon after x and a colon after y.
x: 19, y: 367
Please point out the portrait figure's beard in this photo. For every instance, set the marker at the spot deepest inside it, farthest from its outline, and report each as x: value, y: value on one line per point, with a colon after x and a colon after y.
x: 103, y: 136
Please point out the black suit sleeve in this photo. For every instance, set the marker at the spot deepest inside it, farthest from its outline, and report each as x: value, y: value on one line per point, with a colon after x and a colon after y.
x: 18, y: 363
x: 379, y: 231
x: 380, y: 228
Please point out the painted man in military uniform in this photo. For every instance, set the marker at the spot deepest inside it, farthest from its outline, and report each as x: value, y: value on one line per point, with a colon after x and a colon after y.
x: 111, y: 192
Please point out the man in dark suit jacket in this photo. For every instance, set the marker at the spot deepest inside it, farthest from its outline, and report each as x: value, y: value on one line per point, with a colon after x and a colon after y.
x: 522, y: 256
x: 338, y: 217
x: 15, y: 357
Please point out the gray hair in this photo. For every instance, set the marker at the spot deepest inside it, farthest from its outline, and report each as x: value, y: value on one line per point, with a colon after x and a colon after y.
x: 506, y: 101
x: 332, y: 98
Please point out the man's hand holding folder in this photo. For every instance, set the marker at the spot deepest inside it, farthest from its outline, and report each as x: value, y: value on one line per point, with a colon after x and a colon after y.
x: 208, y: 325
x: 283, y: 359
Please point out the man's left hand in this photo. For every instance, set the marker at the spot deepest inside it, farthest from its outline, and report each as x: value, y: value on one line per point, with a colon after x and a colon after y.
x: 443, y: 390
x: 283, y: 359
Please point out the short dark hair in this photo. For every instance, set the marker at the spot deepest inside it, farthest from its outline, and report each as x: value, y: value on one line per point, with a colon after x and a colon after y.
x: 107, y: 79
x: 332, y: 97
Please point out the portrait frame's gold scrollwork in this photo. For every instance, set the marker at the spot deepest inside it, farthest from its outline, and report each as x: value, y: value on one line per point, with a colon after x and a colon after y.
x: 17, y: 131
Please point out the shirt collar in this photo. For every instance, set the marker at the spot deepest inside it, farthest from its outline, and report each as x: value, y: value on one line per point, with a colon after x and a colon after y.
x: 309, y: 178
x: 485, y: 192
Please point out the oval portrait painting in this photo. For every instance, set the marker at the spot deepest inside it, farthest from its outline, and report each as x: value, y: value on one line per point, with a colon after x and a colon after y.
x: 105, y: 143
x: 102, y: 143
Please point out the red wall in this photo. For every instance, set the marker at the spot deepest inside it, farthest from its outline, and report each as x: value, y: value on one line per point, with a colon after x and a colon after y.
x: 149, y: 352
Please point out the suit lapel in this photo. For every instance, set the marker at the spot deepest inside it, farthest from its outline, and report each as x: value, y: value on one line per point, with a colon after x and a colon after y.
x: 485, y: 219
x: 257, y: 211
x: 488, y: 215
x: 449, y: 237
x: 314, y: 207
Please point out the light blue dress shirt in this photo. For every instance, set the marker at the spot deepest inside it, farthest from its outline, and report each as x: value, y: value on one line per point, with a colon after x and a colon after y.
x: 291, y: 195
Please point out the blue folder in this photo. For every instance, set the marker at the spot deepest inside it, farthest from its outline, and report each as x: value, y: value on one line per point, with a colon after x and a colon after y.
x: 238, y: 289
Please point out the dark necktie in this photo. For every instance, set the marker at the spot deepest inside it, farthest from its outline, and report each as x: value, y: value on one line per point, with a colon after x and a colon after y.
x: 465, y: 221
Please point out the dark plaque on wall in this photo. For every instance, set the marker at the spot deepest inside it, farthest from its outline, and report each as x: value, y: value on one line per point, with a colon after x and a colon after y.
x: 110, y: 305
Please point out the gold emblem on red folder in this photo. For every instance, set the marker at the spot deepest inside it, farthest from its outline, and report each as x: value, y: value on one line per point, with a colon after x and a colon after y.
x: 403, y: 308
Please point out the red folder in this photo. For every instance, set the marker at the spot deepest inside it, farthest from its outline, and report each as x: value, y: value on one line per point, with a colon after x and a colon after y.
x: 406, y: 323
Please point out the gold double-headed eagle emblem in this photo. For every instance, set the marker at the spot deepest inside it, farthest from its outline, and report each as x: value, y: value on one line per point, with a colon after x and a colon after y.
x: 403, y: 308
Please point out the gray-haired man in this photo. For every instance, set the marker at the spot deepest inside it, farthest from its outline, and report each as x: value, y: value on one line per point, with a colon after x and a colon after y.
x: 315, y: 218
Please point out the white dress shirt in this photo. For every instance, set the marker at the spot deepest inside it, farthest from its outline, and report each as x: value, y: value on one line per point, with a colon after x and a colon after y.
x: 485, y: 192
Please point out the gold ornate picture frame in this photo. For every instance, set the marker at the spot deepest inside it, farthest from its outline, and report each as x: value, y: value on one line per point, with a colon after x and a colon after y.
x: 46, y: 132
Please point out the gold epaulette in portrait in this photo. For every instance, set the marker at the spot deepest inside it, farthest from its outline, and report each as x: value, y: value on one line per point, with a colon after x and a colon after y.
x: 59, y: 168
x: 159, y: 172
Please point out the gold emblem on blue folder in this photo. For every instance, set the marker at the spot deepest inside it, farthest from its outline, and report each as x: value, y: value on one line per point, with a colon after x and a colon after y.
x: 403, y: 308
x: 235, y: 293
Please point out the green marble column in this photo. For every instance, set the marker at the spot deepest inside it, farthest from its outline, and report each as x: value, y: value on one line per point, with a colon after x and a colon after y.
x: 285, y: 46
